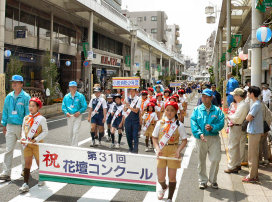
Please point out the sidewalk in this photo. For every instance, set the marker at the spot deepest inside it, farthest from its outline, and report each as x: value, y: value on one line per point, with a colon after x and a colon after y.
x: 231, y: 187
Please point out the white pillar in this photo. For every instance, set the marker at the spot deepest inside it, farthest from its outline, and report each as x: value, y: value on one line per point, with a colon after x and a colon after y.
x: 150, y: 66
x: 220, y: 51
x: 2, y: 33
x: 90, y: 69
x: 216, y: 64
x: 161, y: 64
x: 229, y: 33
x: 132, y: 50
x: 256, y: 59
x: 176, y: 70
x: 142, y: 63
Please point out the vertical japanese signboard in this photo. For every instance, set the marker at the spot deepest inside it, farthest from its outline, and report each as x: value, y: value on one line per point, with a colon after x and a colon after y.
x: 97, y: 167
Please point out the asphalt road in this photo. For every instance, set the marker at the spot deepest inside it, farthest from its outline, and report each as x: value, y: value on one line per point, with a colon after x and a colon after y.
x: 70, y: 192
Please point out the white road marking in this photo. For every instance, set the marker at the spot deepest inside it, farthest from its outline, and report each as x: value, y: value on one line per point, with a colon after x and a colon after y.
x: 39, y: 194
x: 99, y: 194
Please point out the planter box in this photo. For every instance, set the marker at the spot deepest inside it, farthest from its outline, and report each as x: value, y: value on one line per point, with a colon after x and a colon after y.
x: 51, y: 109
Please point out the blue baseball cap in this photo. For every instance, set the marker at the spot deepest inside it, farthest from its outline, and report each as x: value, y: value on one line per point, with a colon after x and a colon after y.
x: 72, y: 83
x: 17, y: 78
x: 207, y: 92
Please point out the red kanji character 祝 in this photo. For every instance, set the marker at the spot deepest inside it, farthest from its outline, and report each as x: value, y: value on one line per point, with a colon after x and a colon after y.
x: 50, y: 159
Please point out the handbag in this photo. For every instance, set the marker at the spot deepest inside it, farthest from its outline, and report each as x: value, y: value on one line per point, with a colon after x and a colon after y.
x: 244, y: 125
x: 266, y: 127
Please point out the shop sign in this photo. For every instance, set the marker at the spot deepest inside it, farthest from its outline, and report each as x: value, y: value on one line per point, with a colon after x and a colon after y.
x: 20, y: 32
x: 108, y: 61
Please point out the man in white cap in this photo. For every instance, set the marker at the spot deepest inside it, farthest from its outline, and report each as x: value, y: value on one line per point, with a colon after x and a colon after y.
x: 73, y: 105
x: 14, y: 111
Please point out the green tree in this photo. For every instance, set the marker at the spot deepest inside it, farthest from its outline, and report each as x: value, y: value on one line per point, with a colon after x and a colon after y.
x: 50, y: 75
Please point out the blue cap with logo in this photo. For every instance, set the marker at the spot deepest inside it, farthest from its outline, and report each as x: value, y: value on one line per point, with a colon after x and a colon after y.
x: 17, y: 78
x: 207, y: 92
x: 72, y: 83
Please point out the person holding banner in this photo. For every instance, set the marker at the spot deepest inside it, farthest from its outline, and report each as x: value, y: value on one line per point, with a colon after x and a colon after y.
x: 34, y: 130
x: 14, y: 111
x: 207, y: 121
x: 166, y: 136
x: 150, y: 118
x: 117, y: 121
x: 110, y: 106
x: 132, y: 120
x: 73, y: 105
x: 97, y: 115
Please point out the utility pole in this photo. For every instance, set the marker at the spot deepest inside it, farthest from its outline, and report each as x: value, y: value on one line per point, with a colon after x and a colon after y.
x: 229, y: 33
x: 90, y: 69
x: 2, y: 34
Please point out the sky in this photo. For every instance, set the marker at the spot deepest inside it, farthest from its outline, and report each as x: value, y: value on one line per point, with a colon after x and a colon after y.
x: 188, y: 14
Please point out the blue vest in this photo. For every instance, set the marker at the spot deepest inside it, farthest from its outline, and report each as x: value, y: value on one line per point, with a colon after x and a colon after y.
x: 132, y: 115
x: 94, y: 103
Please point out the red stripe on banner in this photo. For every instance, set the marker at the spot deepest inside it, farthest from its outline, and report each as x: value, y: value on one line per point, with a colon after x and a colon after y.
x: 100, y: 178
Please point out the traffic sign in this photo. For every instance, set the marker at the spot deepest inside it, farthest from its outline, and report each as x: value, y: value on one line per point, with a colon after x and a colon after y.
x: 86, y: 63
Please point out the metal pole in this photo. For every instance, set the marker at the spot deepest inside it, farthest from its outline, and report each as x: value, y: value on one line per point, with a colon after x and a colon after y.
x: 229, y: 33
x: 161, y: 64
x: 150, y: 66
x: 256, y: 61
x: 169, y: 67
x: 132, y: 51
x: 51, y: 34
x: 220, y: 51
x: 90, y: 69
x: 2, y: 33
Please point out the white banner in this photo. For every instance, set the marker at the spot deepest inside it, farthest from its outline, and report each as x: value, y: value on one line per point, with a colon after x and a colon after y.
x: 97, y: 167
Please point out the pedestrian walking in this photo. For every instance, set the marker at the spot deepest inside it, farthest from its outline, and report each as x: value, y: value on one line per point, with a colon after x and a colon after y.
x: 34, y: 130
x: 206, y: 122
x: 150, y: 118
x: 132, y: 120
x: 166, y: 137
x: 237, y: 137
x: 97, y: 115
x: 117, y: 122
x: 255, y: 129
x: 14, y: 110
x: 231, y: 86
x: 73, y: 105
x: 110, y: 106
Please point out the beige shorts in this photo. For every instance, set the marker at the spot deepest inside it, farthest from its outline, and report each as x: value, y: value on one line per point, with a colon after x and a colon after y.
x: 169, y: 151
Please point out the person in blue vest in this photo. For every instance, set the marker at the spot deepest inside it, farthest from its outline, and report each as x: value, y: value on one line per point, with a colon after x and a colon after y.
x: 97, y: 115
x: 132, y: 121
x: 231, y: 86
x: 73, y: 105
x: 207, y: 121
x: 15, y: 109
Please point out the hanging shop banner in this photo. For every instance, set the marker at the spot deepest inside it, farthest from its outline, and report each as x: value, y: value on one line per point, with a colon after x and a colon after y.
x: 175, y: 84
x: 92, y: 167
x: 235, y: 40
x: 125, y: 82
x: 262, y: 5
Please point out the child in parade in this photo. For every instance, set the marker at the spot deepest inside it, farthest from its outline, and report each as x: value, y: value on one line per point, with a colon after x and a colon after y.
x: 144, y: 102
x: 183, y: 101
x: 34, y: 130
x: 150, y: 93
x: 166, y: 95
x: 166, y: 137
x: 117, y: 121
x: 149, y: 121
x: 110, y: 106
x: 97, y: 115
x: 160, y: 104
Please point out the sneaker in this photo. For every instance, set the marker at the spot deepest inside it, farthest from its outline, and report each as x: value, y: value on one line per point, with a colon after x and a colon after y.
x: 93, y: 144
x: 151, y: 148
x: 24, y: 188
x: 169, y: 200
x: 5, y: 177
x: 117, y: 146
x: 161, y: 193
x: 146, y: 149
x: 100, y: 144
x: 202, y: 185
x: 231, y: 171
x: 214, y: 185
x: 112, y: 145
x: 108, y: 139
x: 249, y: 180
x: 41, y: 183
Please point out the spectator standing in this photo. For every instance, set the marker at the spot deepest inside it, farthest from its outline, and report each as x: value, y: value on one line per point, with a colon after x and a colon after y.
x: 206, y: 131
x: 231, y: 86
x: 254, y: 129
x: 266, y: 94
x: 217, y: 95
